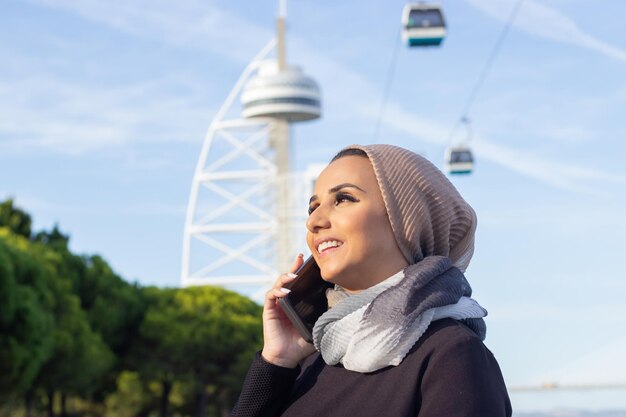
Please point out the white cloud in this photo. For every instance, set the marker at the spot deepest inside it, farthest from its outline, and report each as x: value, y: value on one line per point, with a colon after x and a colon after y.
x: 555, y: 173
x: 548, y: 23
x: 538, y: 312
x: 188, y: 23
x: 34, y: 204
x: 418, y: 129
x: 580, y: 219
x: 44, y: 112
x: 600, y: 366
x: 115, y: 117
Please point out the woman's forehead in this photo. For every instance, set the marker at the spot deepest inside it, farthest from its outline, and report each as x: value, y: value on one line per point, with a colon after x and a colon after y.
x: 353, y: 169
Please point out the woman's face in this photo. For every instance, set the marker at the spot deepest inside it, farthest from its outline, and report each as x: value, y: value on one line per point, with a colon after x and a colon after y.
x: 349, y: 233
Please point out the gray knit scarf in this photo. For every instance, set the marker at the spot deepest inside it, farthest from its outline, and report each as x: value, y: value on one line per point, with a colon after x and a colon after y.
x: 377, y: 327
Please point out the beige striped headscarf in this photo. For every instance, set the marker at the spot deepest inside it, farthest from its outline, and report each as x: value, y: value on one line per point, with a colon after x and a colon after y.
x: 428, y: 215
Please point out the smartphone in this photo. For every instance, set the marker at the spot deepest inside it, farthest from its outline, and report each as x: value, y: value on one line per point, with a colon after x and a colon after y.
x: 307, y: 299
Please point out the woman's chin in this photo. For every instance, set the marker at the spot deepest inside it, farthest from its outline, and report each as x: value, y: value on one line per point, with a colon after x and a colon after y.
x: 329, y: 275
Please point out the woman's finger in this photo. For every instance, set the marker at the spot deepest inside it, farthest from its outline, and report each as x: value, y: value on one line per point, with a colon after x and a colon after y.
x: 280, y: 292
x: 283, y: 279
x: 273, y: 294
x: 277, y: 290
x: 288, y: 276
x: 297, y: 263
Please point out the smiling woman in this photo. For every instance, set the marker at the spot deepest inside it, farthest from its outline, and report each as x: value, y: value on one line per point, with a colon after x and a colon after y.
x: 349, y: 233
x: 403, y: 336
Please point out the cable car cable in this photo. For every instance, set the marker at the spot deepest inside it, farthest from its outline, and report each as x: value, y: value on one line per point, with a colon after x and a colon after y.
x: 390, y: 74
x: 483, y: 75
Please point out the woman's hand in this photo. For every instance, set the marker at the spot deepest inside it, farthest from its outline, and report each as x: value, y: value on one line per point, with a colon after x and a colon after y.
x: 283, y: 345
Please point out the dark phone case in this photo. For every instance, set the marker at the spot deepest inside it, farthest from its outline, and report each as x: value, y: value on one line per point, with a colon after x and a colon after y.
x: 307, y: 299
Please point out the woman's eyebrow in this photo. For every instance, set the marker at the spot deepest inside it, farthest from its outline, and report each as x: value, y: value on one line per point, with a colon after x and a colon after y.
x: 344, y: 185
x: 337, y: 188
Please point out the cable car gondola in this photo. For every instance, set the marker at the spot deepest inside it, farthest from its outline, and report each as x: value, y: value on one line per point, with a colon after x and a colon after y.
x: 459, y: 160
x: 423, y: 25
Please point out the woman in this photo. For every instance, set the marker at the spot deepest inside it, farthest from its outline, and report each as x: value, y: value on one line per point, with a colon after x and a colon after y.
x: 402, y: 337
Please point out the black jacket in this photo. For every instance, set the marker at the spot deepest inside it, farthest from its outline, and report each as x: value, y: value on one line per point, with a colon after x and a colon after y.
x: 448, y: 373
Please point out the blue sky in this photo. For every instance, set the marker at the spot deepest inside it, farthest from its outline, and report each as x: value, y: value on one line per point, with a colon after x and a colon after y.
x: 104, y: 106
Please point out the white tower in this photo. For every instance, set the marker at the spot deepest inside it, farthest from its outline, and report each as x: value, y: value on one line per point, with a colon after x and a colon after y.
x: 246, y: 211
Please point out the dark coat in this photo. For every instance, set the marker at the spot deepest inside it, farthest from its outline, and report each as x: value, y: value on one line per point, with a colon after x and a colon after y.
x: 448, y: 373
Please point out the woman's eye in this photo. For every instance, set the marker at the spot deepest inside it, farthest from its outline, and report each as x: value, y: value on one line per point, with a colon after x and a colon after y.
x: 342, y: 198
x: 339, y: 198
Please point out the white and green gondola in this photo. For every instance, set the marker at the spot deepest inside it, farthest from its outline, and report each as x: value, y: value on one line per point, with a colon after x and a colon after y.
x: 423, y: 25
x: 459, y: 160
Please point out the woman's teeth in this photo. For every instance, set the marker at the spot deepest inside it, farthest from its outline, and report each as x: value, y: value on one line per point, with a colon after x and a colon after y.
x: 328, y: 244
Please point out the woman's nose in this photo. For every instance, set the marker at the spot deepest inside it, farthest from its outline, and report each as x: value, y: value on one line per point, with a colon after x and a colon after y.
x: 318, y: 219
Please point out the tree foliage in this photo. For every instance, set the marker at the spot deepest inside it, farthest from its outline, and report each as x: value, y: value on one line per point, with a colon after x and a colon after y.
x: 199, y: 334
x: 15, y: 219
x: 70, y: 327
x: 26, y: 331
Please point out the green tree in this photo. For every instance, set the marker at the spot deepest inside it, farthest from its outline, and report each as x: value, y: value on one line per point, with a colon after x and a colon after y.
x: 80, y: 358
x: 52, y: 239
x: 69, y: 326
x: 114, y: 307
x: 45, y: 313
x: 17, y: 220
x: 26, y: 322
x: 222, y: 331
x: 154, y: 352
x: 201, y: 335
